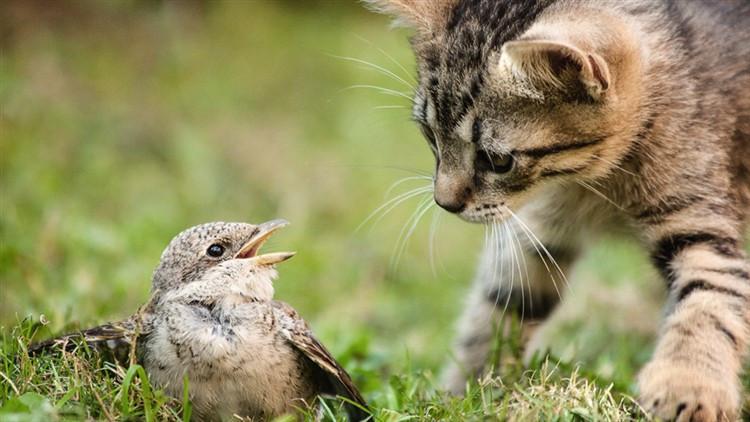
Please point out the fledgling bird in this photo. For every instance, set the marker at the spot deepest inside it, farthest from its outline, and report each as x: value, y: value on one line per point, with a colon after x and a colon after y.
x: 212, y: 317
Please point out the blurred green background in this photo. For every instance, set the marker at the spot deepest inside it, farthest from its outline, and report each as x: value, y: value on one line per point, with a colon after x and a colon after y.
x: 124, y: 122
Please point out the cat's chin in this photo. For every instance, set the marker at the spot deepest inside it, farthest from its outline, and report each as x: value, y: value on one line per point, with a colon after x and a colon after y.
x: 482, y: 218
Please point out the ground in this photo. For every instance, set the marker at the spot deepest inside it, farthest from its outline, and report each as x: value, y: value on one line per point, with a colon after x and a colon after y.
x: 123, y: 123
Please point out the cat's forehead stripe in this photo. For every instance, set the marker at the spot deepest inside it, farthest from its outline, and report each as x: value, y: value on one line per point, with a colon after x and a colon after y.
x: 464, y: 129
x: 456, y: 63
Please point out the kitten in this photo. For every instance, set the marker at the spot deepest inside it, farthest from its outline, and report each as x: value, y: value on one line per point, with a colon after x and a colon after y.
x: 589, y: 116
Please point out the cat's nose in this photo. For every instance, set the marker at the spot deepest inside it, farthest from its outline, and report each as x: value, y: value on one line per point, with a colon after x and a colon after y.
x: 451, y: 194
x: 454, y: 207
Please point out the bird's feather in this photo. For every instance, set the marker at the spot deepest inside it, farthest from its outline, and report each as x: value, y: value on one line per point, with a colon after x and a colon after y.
x: 115, y: 339
x: 298, y: 333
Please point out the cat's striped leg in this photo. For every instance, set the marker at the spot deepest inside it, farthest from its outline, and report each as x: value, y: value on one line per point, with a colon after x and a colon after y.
x: 516, y: 278
x: 694, y: 374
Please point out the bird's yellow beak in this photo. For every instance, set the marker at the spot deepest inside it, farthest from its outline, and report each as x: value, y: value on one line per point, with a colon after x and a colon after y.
x: 250, y: 249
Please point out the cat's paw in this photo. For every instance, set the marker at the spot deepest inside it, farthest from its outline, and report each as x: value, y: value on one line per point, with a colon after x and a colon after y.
x: 681, y: 393
x: 454, y: 380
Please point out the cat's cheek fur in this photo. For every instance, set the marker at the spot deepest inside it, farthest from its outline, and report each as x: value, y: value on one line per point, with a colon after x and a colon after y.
x: 490, y: 205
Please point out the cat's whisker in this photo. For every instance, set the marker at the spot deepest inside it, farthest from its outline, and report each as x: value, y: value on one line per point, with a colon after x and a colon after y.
x: 541, y: 245
x: 393, y: 60
x: 509, y: 253
x: 517, y: 266
x: 492, y: 242
x: 407, y: 170
x: 504, y: 227
x: 494, y: 251
x: 533, y: 241
x: 615, y: 165
x: 544, y: 262
x: 492, y: 246
x: 386, y: 167
x: 489, y: 159
x: 498, y: 273
x: 404, y: 229
x: 599, y: 194
x: 393, y: 206
x: 392, y: 203
x: 596, y: 182
x: 389, y: 107
x: 411, y: 223
x: 432, y: 246
x: 501, y: 231
x: 427, y: 174
x: 521, y: 263
x: 380, y: 89
x: 404, y: 180
x: 487, y: 244
x: 487, y: 235
x: 378, y: 68
x: 497, y: 141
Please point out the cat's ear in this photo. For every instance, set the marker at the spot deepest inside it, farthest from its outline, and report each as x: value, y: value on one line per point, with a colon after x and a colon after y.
x: 555, y: 65
x: 423, y: 15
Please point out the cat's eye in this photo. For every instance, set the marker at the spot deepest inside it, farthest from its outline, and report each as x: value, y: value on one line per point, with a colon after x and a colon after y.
x: 502, y: 163
x: 498, y: 163
x: 215, y: 250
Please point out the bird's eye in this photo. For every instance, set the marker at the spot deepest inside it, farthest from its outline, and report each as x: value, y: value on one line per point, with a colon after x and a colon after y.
x: 215, y: 250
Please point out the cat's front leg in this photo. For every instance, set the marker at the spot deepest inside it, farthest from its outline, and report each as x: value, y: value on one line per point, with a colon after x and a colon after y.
x: 517, y: 278
x: 694, y: 374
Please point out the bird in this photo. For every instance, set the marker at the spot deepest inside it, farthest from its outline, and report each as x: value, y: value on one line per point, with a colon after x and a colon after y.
x: 212, y: 317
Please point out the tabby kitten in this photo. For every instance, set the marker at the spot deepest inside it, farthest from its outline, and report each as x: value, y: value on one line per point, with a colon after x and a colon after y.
x: 588, y: 116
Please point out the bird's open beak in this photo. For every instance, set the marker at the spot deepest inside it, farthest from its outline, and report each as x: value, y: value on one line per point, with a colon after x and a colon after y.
x: 250, y: 249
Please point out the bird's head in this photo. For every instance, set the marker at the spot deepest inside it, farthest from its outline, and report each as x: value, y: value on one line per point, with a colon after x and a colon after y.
x: 228, y: 251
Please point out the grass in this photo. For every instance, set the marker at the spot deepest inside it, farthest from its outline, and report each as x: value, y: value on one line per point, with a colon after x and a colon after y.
x: 81, y: 385
x: 123, y: 123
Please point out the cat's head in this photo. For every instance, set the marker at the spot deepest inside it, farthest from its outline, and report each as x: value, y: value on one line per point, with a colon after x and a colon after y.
x: 513, y: 96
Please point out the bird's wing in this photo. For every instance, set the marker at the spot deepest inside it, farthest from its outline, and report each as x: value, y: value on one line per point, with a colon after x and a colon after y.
x: 115, y: 338
x: 301, y: 337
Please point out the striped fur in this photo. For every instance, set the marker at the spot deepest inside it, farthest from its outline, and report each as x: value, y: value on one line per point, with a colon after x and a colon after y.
x: 617, y: 115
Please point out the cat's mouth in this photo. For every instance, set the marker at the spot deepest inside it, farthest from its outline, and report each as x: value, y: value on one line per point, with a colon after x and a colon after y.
x: 481, y: 219
x: 483, y: 214
x: 251, y: 248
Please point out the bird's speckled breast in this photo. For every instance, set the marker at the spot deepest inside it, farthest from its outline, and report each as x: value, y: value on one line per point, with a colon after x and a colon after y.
x: 234, y: 355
